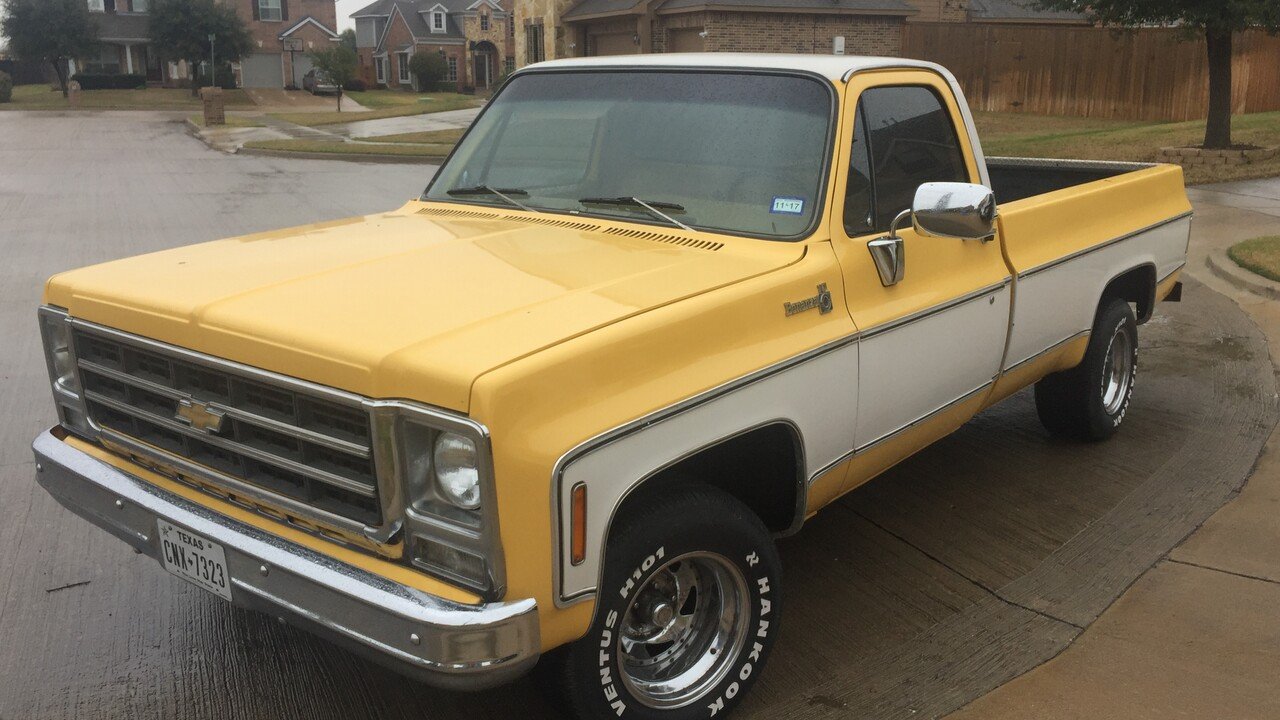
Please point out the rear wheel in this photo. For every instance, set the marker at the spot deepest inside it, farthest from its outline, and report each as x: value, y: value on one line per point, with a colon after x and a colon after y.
x: 1089, y: 401
x: 687, y: 614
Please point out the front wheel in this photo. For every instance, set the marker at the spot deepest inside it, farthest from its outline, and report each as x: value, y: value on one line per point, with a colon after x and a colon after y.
x: 1089, y: 401
x: 687, y: 614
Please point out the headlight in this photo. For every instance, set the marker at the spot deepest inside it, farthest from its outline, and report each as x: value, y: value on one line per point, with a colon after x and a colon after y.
x: 444, y: 464
x: 457, y: 470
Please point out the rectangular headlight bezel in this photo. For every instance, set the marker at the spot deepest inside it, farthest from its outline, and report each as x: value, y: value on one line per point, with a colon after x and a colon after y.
x: 64, y: 376
x: 404, y: 438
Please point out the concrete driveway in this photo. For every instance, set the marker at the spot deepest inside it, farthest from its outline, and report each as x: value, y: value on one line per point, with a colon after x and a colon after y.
x: 959, y: 570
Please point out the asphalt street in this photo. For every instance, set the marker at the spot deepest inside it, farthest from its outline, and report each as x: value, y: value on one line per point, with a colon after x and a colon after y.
x: 957, y: 571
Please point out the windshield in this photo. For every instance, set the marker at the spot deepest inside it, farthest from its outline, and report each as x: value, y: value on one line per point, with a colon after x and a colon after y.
x: 731, y: 152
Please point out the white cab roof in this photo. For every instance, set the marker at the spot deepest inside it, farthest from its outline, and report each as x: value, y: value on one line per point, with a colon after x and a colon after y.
x: 834, y: 67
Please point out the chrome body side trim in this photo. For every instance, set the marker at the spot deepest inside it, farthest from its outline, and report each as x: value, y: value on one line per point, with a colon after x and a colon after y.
x: 1170, y: 273
x: 425, y: 637
x: 1102, y: 246
x: 924, y: 418
x: 928, y: 312
x: 1046, y: 351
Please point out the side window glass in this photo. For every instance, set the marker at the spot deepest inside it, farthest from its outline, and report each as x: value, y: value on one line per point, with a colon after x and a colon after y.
x: 913, y: 141
x: 859, y: 199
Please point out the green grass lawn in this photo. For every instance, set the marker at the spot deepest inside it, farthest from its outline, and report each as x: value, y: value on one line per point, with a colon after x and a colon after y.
x: 40, y: 97
x: 385, y: 104
x: 351, y: 148
x: 435, y: 137
x: 1088, y: 139
x: 1260, y: 255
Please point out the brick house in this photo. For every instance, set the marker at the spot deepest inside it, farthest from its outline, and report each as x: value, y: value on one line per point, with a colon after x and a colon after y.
x: 282, y: 35
x: 284, y: 31
x: 125, y: 47
x: 474, y: 36
x: 571, y: 28
x: 1009, y: 12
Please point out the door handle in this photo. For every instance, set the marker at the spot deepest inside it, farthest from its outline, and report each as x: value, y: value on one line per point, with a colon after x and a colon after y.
x: 889, y: 253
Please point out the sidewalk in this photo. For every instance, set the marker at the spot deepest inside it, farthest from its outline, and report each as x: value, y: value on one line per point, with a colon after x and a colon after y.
x: 1198, y: 635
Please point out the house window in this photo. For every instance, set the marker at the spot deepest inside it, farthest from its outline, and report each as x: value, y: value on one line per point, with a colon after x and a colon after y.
x: 140, y: 6
x: 96, y: 6
x: 533, y: 44
x: 269, y: 10
x: 453, y: 69
x: 106, y: 63
x: 437, y: 22
x: 403, y: 64
x: 511, y: 26
x: 484, y: 21
x: 380, y: 66
x: 509, y: 65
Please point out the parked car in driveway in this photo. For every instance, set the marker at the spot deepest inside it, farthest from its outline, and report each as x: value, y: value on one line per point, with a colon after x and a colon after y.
x: 317, y: 82
x: 651, y: 313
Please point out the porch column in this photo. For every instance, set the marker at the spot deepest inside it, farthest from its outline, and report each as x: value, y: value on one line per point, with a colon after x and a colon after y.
x: 128, y: 59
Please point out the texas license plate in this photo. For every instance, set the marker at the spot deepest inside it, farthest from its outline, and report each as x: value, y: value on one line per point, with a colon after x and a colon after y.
x: 193, y: 558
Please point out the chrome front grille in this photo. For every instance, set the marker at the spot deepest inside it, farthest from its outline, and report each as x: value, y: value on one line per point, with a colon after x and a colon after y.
x: 238, y: 427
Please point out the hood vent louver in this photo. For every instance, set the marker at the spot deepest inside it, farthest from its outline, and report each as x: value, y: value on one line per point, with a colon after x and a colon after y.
x: 664, y: 238
x: 691, y: 243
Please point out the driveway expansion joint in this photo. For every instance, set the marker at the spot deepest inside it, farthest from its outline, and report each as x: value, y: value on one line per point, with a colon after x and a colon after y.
x: 1210, y: 568
x: 972, y: 581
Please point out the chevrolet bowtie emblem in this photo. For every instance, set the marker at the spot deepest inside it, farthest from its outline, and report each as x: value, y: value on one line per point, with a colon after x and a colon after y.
x: 199, y: 416
x: 821, y: 301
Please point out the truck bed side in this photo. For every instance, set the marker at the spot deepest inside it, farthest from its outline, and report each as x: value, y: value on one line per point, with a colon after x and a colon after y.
x: 1094, y: 223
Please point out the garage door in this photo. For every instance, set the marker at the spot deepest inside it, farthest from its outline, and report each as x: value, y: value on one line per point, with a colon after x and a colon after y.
x: 685, y: 40
x: 613, y: 44
x: 262, y: 70
x: 301, y: 66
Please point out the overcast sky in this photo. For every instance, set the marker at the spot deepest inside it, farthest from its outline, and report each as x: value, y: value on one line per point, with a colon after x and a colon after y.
x: 345, y: 8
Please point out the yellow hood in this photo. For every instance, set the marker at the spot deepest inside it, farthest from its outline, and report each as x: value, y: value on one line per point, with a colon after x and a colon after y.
x: 415, y: 303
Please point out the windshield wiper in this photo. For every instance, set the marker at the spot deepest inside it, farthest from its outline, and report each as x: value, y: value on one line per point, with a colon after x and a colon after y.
x: 503, y: 193
x: 652, y: 207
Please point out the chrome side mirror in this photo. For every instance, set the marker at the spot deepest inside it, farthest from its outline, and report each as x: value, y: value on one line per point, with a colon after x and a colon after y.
x: 955, y: 210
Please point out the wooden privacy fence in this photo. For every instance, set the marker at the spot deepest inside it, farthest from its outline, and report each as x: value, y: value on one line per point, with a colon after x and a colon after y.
x: 1147, y: 74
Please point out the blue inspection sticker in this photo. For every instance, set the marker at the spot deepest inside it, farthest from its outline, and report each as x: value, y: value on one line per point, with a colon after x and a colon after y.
x: 787, y: 206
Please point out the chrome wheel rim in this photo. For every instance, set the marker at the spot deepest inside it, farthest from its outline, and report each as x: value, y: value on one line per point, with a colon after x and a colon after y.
x: 1117, y: 371
x: 682, y: 630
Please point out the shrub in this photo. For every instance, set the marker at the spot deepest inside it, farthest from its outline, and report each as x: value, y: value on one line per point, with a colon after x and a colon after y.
x: 6, y: 87
x: 356, y: 85
x: 224, y: 77
x: 110, y: 82
x: 429, y: 68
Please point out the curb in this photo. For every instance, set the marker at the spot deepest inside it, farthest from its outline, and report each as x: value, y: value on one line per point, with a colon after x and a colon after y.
x: 1225, y: 269
x: 346, y: 157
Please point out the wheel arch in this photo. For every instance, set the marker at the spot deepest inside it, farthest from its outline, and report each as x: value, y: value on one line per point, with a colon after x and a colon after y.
x: 1136, y: 285
x: 780, y: 503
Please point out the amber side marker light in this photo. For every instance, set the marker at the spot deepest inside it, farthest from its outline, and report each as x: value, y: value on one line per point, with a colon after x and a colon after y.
x: 578, y: 524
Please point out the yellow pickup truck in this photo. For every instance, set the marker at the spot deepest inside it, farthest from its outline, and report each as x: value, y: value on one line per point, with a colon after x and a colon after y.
x: 650, y: 314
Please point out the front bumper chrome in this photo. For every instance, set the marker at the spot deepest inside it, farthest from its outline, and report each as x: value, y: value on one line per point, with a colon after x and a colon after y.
x: 437, y: 641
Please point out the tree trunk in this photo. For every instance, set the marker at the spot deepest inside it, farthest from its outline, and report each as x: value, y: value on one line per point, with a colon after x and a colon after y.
x: 193, y: 67
x: 339, y: 98
x: 1217, y: 133
x: 60, y: 69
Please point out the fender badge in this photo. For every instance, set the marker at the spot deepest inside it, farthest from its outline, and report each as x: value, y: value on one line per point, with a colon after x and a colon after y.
x: 821, y: 301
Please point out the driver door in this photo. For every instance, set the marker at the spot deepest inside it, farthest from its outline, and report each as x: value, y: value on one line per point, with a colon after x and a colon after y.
x: 932, y: 344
